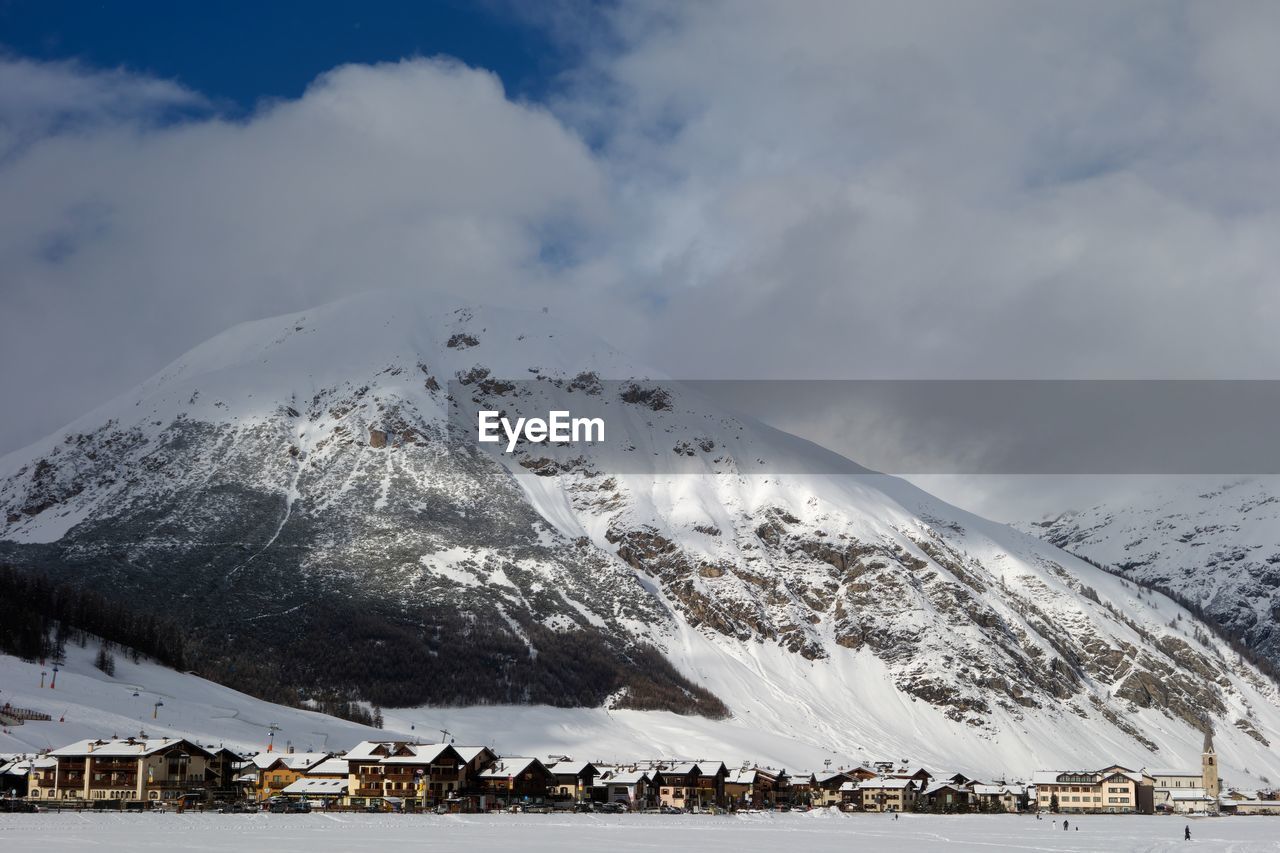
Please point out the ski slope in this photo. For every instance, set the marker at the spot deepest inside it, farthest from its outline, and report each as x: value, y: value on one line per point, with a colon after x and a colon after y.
x: 86, y: 703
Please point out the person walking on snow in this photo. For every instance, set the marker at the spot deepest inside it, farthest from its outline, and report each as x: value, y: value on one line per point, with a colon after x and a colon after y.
x: 1064, y: 826
x: 1186, y: 833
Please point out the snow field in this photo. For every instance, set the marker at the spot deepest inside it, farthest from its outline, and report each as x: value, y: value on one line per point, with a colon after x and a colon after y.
x: 815, y: 832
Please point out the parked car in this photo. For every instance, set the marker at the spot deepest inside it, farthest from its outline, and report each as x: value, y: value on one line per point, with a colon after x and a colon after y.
x: 290, y: 807
x: 671, y: 810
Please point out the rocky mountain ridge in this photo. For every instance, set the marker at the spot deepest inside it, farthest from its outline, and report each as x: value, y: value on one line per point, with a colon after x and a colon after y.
x: 297, y: 491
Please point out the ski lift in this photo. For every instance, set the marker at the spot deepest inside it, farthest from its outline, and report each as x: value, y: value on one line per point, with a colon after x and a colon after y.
x: 135, y: 692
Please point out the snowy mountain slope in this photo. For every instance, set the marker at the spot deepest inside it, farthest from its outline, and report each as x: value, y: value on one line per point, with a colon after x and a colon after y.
x: 296, y: 489
x: 86, y: 703
x: 1216, y: 544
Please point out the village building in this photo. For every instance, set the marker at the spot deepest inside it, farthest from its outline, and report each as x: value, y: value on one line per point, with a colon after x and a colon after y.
x: 573, y: 779
x: 475, y: 758
x: 919, y: 775
x: 326, y: 791
x: 138, y: 769
x: 415, y: 775
x: 1181, y: 791
x: 1112, y: 790
x: 691, y: 784
x: 515, y: 779
x: 224, y: 770
x: 628, y: 785
x: 15, y: 774
x: 888, y: 794
x: 1256, y: 806
x: 828, y: 784
x: 754, y: 787
x: 946, y: 797
x: 801, y: 788
x: 1005, y: 797
x: 275, y: 771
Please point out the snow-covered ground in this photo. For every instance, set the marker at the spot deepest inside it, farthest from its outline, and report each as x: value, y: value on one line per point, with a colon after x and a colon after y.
x: 817, y: 832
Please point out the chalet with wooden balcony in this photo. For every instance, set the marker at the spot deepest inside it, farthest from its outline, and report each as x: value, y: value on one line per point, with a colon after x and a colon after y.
x: 691, y: 784
x: 418, y: 774
x: 754, y: 787
x: 278, y: 770
x: 146, y: 769
x: 830, y: 785
x: 515, y: 779
x: 890, y: 794
x: 573, y: 779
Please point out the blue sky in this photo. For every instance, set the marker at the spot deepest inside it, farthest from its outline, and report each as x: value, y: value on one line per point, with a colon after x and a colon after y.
x: 236, y: 52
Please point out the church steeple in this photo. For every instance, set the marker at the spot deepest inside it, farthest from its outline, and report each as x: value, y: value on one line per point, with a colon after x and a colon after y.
x: 1209, y: 767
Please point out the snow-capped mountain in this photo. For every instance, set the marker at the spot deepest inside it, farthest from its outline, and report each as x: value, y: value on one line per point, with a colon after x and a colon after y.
x: 1215, y: 545
x: 296, y: 491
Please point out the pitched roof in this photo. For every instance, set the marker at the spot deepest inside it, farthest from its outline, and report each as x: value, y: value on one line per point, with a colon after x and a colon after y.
x: 122, y: 748
x: 938, y: 786
x: 469, y: 753
x: 313, y: 787
x: 330, y: 767
x: 682, y: 768
x: 299, y: 761
x: 628, y: 777
x: 572, y: 768
x: 377, y: 749
x: 875, y: 784
x: 510, y: 765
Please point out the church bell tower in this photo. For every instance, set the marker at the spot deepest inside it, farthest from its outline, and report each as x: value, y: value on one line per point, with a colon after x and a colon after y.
x: 1209, y: 769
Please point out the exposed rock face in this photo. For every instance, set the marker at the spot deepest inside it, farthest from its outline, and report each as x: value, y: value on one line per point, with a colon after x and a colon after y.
x: 1217, y: 548
x: 315, y: 502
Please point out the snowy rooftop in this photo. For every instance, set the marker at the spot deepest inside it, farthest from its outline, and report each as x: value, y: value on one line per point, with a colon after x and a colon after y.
x: 119, y: 748
x: 330, y: 767
x: 508, y: 765
x: 311, y: 787
x: 469, y: 753
x: 876, y: 784
x: 292, y: 760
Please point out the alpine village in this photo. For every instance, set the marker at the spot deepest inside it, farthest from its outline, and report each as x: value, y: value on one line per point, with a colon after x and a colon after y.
x: 142, y: 772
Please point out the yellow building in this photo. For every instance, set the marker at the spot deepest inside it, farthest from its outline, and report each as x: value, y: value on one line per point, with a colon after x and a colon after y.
x: 1112, y: 790
x: 278, y: 770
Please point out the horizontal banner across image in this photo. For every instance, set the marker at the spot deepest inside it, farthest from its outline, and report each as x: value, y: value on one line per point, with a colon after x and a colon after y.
x: 1007, y: 427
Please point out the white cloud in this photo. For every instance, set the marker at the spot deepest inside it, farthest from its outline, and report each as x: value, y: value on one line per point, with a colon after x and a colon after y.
x: 941, y: 189
x: 124, y: 241
x: 816, y: 189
